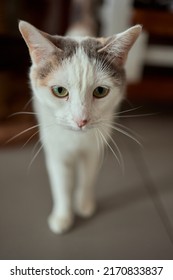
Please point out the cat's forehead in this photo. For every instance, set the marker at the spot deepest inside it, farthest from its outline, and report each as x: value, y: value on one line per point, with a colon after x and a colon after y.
x: 76, y: 49
x: 70, y: 45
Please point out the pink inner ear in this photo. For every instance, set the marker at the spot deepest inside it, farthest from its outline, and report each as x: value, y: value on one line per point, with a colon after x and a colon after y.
x: 118, y: 54
x: 39, y: 46
x: 117, y: 50
x: 36, y: 54
x: 119, y: 45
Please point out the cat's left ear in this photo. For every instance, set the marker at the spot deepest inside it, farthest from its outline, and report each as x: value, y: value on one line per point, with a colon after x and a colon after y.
x: 119, y: 45
x: 39, y: 46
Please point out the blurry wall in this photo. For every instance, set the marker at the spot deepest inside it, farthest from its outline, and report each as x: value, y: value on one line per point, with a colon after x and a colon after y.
x: 150, y: 63
x: 48, y: 15
x: 149, y: 66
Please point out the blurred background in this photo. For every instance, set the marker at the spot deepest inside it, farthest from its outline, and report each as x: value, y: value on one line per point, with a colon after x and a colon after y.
x: 149, y: 67
x: 148, y: 174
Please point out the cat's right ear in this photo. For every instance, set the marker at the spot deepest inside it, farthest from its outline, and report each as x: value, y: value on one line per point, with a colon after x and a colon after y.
x: 39, y: 46
x: 118, y: 46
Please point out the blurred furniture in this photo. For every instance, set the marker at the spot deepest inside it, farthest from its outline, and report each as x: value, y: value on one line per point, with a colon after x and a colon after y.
x: 50, y: 16
x: 157, y: 81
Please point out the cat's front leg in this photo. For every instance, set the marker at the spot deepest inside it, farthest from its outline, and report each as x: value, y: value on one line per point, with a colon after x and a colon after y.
x: 84, y: 202
x: 61, y: 179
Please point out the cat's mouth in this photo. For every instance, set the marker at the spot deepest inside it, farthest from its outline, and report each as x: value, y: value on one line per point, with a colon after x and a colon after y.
x: 77, y: 128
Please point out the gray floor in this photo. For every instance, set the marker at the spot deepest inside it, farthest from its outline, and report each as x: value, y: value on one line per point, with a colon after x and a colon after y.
x: 134, y: 219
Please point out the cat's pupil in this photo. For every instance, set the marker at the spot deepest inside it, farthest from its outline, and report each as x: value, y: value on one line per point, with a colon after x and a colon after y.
x: 60, y: 89
x: 100, y: 90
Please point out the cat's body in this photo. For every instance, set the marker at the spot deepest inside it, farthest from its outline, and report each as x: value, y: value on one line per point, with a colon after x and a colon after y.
x: 78, y: 83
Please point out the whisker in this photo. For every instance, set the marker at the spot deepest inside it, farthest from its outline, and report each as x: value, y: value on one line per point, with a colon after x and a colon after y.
x: 32, y: 136
x: 100, y: 145
x: 34, y: 157
x: 119, y: 114
x: 129, y: 130
x: 37, y: 143
x: 35, y: 146
x: 121, y: 160
x: 22, y: 113
x: 106, y: 142
x: 114, y: 124
x: 22, y: 132
x: 125, y: 133
x: 138, y: 115
x: 27, y: 104
x: 126, y: 111
x: 63, y: 122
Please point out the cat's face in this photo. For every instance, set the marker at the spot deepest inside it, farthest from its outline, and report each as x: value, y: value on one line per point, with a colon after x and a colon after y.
x: 79, y: 80
x: 80, y: 91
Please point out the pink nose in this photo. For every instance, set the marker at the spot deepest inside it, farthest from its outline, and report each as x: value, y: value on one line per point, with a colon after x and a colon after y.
x: 81, y: 123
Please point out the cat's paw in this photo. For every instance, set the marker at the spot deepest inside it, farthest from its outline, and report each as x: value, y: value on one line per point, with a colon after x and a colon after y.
x: 59, y: 225
x: 86, y: 209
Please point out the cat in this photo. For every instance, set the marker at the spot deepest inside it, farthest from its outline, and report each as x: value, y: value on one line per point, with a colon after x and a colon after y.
x: 78, y: 82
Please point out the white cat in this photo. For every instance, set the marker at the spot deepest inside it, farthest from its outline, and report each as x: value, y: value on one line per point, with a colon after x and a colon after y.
x: 77, y: 83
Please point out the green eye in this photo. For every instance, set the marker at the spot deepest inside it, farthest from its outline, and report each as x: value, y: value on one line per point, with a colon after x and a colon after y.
x: 100, y: 92
x: 60, y: 92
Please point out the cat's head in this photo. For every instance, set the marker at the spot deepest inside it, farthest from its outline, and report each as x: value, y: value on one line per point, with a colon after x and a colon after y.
x: 80, y: 80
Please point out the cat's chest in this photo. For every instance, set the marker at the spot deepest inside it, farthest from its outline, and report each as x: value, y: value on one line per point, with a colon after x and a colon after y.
x: 63, y: 141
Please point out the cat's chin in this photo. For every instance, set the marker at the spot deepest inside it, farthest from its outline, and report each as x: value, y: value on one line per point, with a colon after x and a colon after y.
x: 76, y: 128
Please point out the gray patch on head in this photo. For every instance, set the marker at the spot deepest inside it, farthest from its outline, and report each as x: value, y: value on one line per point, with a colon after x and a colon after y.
x: 67, y: 45
x: 91, y: 47
x: 105, y: 60
x: 45, y: 70
x: 66, y: 48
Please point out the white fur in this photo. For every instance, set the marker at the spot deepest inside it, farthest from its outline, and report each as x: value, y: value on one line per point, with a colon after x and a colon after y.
x: 73, y: 154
